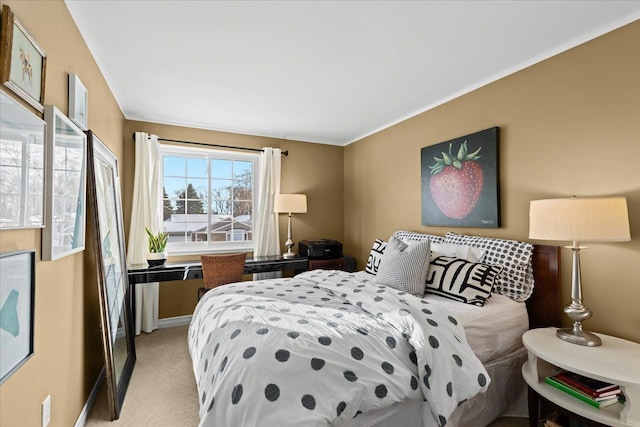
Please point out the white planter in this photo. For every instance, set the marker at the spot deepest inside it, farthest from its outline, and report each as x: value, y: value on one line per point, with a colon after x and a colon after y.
x: 156, y: 259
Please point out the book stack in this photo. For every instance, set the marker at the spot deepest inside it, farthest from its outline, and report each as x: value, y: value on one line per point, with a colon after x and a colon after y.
x: 594, y: 392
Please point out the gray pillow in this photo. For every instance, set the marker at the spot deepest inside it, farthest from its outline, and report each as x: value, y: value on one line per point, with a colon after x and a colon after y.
x: 404, y: 266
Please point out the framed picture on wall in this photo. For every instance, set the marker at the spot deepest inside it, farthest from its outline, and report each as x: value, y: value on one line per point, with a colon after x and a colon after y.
x: 460, y: 186
x: 66, y: 187
x: 22, y: 157
x: 78, y: 102
x: 23, y: 62
x: 17, y: 297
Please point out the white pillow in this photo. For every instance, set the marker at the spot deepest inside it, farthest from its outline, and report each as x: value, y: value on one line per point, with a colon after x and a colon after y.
x: 407, y: 236
x: 404, y: 266
x: 453, y: 250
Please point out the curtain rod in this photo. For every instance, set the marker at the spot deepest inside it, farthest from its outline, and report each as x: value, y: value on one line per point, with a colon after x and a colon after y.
x: 284, y: 153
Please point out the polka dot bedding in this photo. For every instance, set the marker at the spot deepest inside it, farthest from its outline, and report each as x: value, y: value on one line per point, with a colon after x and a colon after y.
x: 323, y: 347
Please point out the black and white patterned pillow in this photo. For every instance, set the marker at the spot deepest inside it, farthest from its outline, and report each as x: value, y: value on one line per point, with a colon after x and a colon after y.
x: 516, y: 280
x: 461, y: 280
x: 404, y: 266
x: 375, y: 256
x: 412, y: 235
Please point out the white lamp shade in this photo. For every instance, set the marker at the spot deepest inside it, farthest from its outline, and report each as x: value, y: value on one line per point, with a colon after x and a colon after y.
x: 578, y: 219
x: 290, y: 203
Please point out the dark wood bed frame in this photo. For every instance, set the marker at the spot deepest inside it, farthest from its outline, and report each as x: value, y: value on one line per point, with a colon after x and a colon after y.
x: 544, y: 305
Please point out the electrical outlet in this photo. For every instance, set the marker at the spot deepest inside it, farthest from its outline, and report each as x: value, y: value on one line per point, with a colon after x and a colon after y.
x: 46, y: 411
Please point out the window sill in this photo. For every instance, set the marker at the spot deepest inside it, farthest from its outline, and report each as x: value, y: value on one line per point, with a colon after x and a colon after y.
x: 190, y: 250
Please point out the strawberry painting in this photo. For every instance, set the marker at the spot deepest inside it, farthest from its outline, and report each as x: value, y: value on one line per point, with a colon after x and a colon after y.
x: 459, y: 181
x: 456, y: 182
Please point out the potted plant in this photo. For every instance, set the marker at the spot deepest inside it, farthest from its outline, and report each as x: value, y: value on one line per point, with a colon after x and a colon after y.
x: 157, y: 245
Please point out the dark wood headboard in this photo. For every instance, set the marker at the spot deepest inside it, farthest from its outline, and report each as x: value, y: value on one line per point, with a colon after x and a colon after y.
x: 544, y: 304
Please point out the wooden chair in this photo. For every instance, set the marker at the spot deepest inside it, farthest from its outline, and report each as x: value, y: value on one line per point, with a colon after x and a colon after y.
x: 221, y: 269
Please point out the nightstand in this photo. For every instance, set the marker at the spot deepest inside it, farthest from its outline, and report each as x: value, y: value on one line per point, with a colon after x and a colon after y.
x: 327, y: 264
x: 616, y: 361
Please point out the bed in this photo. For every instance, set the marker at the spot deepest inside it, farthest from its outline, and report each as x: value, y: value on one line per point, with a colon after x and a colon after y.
x: 345, y: 349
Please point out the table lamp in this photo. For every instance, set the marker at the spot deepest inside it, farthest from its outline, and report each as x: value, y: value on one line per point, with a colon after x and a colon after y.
x: 290, y: 203
x: 576, y: 219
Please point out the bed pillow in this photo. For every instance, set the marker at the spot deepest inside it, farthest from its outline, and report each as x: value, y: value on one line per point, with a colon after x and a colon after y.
x: 469, y: 253
x: 461, y: 280
x: 375, y: 256
x: 404, y: 266
x: 516, y: 280
x: 412, y: 235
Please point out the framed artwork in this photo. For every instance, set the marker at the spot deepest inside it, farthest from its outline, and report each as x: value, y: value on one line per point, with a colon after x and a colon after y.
x: 105, y: 206
x: 17, y: 299
x: 460, y: 185
x: 22, y: 156
x: 78, y: 102
x: 66, y: 187
x: 23, y: 63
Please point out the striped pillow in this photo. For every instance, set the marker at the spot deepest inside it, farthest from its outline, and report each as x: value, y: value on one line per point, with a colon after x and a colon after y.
x: 404, y: 266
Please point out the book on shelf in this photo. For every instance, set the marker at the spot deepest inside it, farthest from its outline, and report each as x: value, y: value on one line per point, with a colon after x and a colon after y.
x: 591, y: 386
x: 582, y: 396
x: 604, y: 396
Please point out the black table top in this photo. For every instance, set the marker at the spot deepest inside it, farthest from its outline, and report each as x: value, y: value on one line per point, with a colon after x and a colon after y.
x: 186, y: 270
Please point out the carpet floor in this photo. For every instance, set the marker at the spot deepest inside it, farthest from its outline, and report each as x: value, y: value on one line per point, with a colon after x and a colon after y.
x: 162, y: 392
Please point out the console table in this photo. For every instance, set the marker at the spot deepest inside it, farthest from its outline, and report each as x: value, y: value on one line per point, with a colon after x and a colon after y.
x: 142, y: 273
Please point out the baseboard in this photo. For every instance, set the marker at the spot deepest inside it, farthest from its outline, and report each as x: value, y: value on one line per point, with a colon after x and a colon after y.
x: 170, y: 322
x: 84, y: 414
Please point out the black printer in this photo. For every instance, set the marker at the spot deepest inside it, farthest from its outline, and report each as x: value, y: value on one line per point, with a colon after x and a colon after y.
x: 320, y: 249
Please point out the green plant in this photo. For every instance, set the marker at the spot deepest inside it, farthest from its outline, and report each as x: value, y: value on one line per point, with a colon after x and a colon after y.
x: 158, y: 241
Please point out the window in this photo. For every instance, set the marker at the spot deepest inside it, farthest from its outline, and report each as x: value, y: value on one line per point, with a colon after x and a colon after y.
x: 208, y: 199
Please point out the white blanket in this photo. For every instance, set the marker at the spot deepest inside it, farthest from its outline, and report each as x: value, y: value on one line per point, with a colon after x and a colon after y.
x: 323, y: 347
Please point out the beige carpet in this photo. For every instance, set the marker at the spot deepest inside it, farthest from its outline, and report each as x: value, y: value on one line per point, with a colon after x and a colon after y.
x: 162, y: 392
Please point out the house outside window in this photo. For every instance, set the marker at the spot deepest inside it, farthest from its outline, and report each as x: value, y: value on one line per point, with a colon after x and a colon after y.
x: 208, y: 199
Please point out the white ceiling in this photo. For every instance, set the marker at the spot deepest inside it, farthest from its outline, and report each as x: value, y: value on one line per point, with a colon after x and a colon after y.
x: 330, y: 72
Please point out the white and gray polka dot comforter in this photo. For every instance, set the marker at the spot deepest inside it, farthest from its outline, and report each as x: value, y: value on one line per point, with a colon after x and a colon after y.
x: 320, y: 348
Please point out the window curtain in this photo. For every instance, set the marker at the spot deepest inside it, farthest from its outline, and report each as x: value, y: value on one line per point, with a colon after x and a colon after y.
x: 146, y: 212
x: 267, y: 231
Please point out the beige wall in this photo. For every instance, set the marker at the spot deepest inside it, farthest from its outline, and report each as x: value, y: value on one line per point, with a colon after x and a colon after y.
x: 68, y: 352
x: 312, y: 169
x: 568, y: 126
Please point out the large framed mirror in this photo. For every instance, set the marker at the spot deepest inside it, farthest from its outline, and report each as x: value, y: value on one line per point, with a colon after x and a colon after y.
x: 105, y: 210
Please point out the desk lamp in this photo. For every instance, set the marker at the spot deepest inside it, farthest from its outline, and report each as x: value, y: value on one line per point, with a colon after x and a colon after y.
x: 579, y: 220
x: 290, y: 203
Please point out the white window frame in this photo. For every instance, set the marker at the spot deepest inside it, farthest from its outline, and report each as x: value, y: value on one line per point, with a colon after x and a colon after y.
x: 191, y: 248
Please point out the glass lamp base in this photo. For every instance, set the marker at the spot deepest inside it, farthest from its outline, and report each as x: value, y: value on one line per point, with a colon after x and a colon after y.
x: 579, y: 337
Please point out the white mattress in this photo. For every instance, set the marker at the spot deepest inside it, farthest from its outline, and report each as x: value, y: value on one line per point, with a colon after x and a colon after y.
x: 493, y: 330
